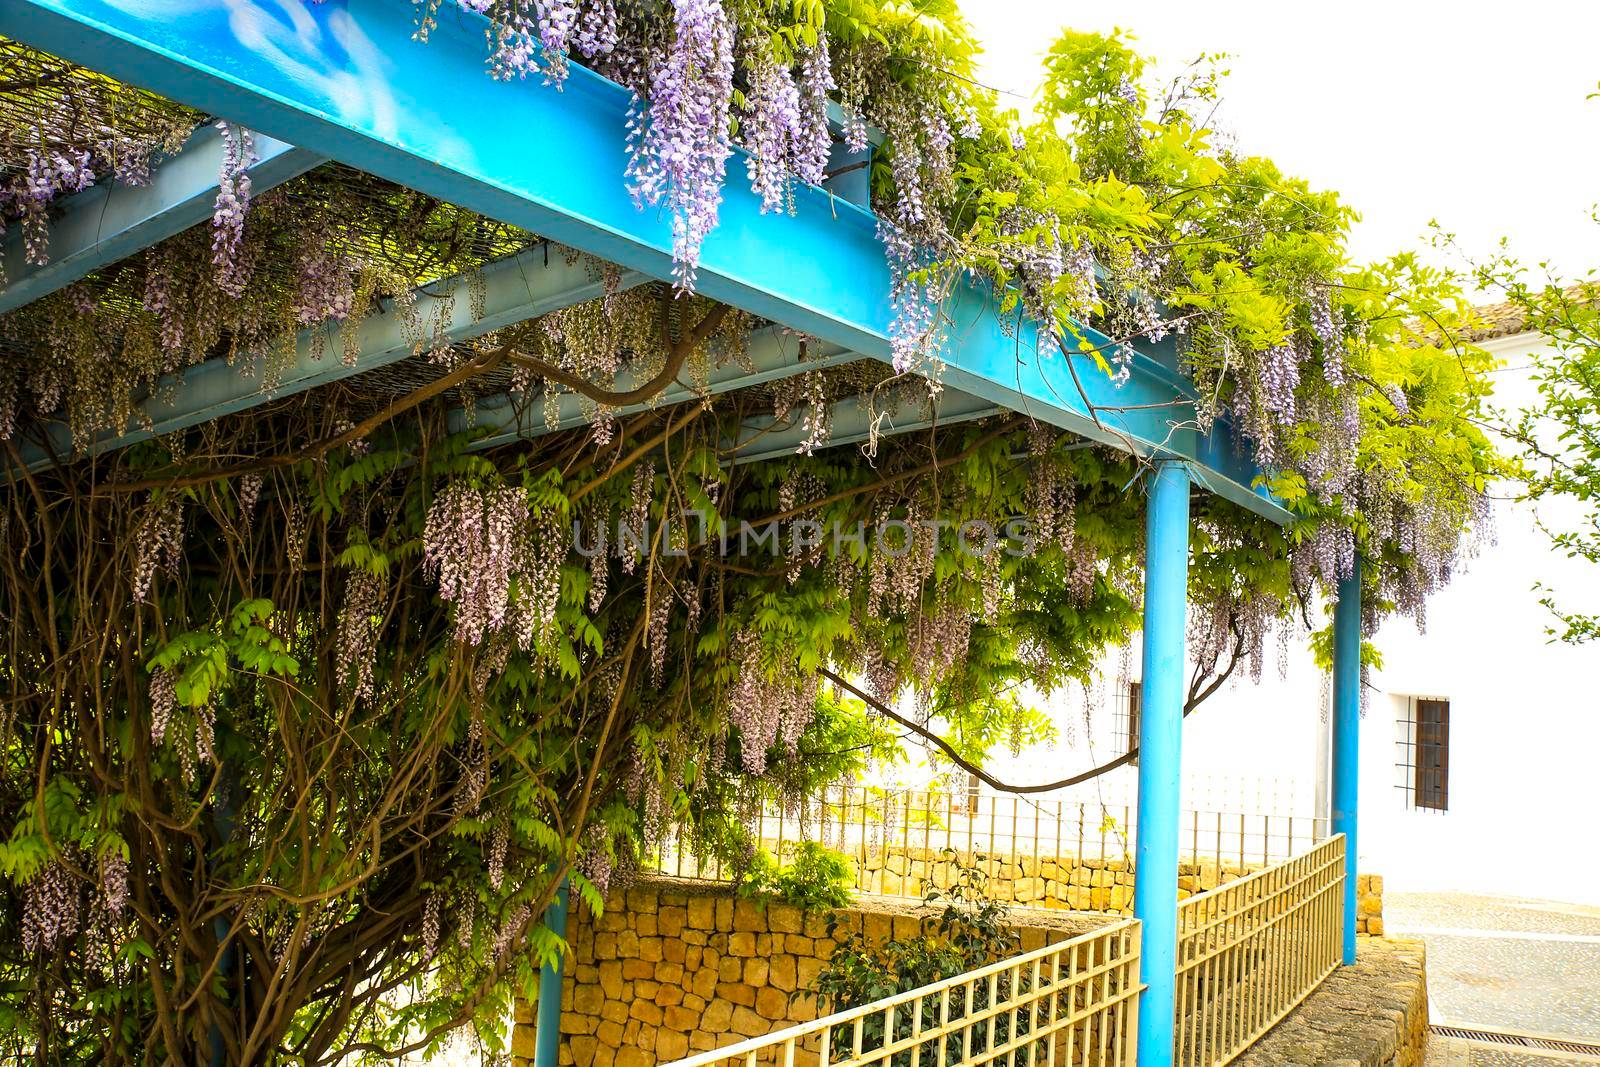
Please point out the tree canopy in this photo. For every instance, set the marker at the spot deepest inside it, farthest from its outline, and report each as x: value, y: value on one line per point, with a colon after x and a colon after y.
x: 310, y: 708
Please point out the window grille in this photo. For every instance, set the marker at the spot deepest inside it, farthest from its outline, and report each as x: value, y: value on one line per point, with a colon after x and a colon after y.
x: 1125, y: 712
x: 1423, y: 744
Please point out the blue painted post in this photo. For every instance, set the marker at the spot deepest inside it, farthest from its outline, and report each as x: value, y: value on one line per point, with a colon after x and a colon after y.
x: 547, y: 1026
x: 1155, y: 887
x: 1345, y: 779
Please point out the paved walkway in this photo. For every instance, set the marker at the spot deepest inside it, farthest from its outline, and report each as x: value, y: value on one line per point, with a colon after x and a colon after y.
x: 1443, y: 1053
x: 1518, y: 965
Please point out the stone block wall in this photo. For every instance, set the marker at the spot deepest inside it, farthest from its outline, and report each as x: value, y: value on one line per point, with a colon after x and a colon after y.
x: 1369, y: 904
x: 1374, y: 1014
x: 675, y: 967
x: 1069, y: 882
x: 1065, y: 881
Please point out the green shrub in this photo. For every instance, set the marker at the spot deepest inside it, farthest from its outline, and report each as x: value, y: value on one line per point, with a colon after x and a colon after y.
x: 816, y: 880
x: 962, y: 928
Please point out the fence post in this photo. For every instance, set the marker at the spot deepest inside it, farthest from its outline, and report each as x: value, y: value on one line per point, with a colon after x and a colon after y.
x: 1347, y: 739
x: 547, y: 1029
x: 1155, y: 886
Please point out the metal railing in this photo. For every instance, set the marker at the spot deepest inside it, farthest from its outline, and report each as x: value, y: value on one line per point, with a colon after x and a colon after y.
x: 1249, y: 951
x: 869, y: 825
x: 1070, y: 1003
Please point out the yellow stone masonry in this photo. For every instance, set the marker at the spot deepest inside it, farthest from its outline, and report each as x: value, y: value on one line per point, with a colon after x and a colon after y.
x: 637, y: 996
x: 1369, y: 904
x: 1064, y: 882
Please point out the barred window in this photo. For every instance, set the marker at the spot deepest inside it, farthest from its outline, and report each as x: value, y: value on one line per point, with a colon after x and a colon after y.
x: 1424, y: 749
x: 1129, y: 701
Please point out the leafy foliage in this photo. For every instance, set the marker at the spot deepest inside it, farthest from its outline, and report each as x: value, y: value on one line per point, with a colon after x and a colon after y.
x: 816, y: 879
x: 964, y: 928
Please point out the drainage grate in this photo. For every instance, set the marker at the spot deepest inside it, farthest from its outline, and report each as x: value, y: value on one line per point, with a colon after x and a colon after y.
x: 1515, y: 1040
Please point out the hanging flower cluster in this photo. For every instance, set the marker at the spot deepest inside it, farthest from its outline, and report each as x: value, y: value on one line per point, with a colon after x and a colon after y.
x: 64, y: 129
x: 1052, y: 493
x: 784, y: 125
x: 813, y: 141
x: 771, y: 126
x: 29, y: 194
x: 233, y: 200
x: 905, y: 560
x: 360, y: 620
x: 327, y: 285
x: 163, y: 699
x: 594, y: 859
x: 938, y: 642
x: 474, y: 545
x: 766, y: 711
x: 499, y: 845
x: 430, y: 925
x: 160, y: 544
x: 496, y: 562
x: 114, y: 883
x: 679, y: 137
x: 51, y: 910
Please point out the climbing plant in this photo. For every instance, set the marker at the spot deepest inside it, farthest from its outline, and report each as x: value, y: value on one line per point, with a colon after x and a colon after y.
x: 309, y: 710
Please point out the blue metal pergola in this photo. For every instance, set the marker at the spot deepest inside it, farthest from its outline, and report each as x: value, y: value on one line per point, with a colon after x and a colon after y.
x: 344, y: 81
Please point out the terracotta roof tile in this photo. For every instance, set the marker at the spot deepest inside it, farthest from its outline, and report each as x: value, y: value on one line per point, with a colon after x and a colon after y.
x: 1495, y: 320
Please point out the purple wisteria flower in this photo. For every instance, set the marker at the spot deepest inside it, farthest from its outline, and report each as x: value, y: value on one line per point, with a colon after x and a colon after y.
x: 557, y: 20
x: 679, y: 139
x: 814, y: 140
x: 771, y: 127
x: 233, y: 200
x: 597, y: 29
x: 785, y: 122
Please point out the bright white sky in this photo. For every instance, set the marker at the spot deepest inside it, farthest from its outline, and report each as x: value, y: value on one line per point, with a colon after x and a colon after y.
x: 1471, y: 113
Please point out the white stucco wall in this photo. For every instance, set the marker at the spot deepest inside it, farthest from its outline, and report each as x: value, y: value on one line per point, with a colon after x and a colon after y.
x: 1524, y: 717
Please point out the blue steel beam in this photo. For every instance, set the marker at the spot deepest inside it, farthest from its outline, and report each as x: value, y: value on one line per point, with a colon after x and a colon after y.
x: 516, y: 288
x: 1155, y: 889
x: 111, y: 221
x: 346, y: 80
x: 849, y: 423
x: 1346, y: 771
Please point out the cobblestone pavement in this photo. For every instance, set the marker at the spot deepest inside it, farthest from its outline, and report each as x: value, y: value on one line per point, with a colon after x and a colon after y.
x: 1461, y: 910
x: 1518, y: 965
x: 1447, y: 1053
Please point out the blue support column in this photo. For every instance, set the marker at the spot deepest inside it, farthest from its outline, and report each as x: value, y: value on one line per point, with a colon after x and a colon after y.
x: 1346, y: 713
x: 1155, y: 887
x: 547, y: 1024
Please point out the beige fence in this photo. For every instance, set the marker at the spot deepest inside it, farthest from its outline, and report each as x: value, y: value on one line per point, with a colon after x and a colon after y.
x: 1251, y: 950
x: 870, y: 824
x: 1074, y: 1002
